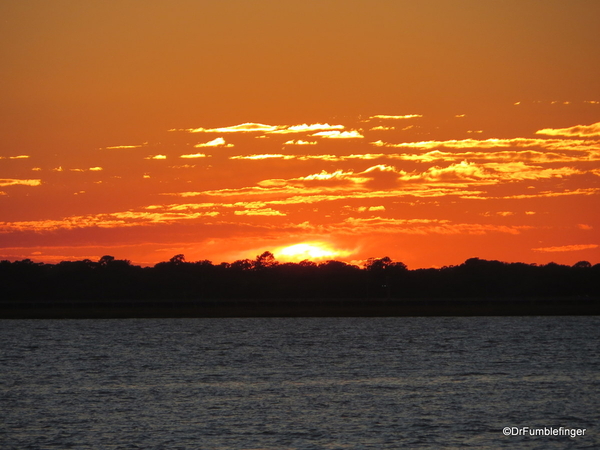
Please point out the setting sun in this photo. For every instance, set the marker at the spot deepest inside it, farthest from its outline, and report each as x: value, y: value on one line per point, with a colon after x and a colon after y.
x: 309, y: 251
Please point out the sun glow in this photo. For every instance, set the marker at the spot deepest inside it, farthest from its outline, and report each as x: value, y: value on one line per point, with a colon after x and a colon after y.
x: 311, y: 251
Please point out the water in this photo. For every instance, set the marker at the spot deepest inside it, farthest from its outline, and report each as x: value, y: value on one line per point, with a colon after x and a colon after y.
x: 305, y: 383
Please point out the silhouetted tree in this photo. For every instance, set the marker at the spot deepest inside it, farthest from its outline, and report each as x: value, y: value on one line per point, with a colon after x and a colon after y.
x: 265, y: 261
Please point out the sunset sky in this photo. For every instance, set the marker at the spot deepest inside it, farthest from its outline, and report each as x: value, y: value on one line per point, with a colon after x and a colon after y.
x: 428, y: 131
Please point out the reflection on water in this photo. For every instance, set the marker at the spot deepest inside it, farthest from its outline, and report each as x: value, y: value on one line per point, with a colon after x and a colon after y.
x: 285, y: 383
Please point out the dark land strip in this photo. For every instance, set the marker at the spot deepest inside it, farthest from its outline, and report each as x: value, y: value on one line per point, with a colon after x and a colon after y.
x: 105, y: 309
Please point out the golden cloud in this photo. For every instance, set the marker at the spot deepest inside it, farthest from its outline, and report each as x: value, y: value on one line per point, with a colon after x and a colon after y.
x: 264, y: 156
x: 407, y: 116
x: 324, y: 175
x: 335, y: 134
x: 193, y: 156
x: 551, y: 144
x: 565, y: 248
x: 306, y: 128
x: 156, y: 157
x: 367, y: 156
x: 518, y: 171
x: 242, y: 128
x: 259, y: 212
x: 19, y: 182
x: 370, y: 208
x: 577, y: 130
x: 122, y: 147
x: 527, y: 155
x: 580, y: 191
x: 300, y: 142
x: 109, y: 220
x: 15, y: 157
x: 218, y: 142
x: 91, y: 169
x: 424, y: 226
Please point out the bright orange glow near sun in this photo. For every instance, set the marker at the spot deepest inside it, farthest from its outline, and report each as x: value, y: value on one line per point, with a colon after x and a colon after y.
x: 313, y: 251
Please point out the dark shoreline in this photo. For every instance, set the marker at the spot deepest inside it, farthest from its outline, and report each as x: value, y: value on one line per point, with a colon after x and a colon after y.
x: 43, y: 309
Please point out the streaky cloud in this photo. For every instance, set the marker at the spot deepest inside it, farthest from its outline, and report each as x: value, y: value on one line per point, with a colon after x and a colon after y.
x: 19, y: 182
x: 335, y: 134
x: 263, y: 156
x: 218, y: 142
x: 259, y: 212
x: 406, y: 116
x: 306, y: 128
x: 551, y: 144
x: 382, y: 128
x: 577, y: 130
x: 193, y: 156
x: 424, y: 226
x: 248, y: 127
x: 116, y: 147
x: 15, y: 157
x: 300, y: 142
x: 566, y: 248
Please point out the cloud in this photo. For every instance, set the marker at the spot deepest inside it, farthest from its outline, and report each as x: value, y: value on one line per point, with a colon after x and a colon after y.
x: 353, y: 134
x: 407, y: 116
x: 518, y: 171
x: 324, y: 175
x: 510, y: 155
x: 566, y: 248
x: 370, y: 208
x: 121, y: 147
x: 91, y: 169
x: 306, y: 128
x: 300, y: 142
x: 218, y: 142
x: 15, y: 157
x: 193, y: 156
x: 324, y: 157
x: 577, y: 130
x: 423, y: 226
x: 551, y: 144
x: 259, y: 212
x: 242, y: 128
x: 267, y: 129
x: 19, y: 182
x: 580, y: 191
x: 382, y: 128
x: 264, y: 156
x: 156, y: 157
x: 109, y: 220
x: 461, y: 171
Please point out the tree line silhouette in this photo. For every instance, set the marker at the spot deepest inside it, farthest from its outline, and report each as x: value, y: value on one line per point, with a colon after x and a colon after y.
x: 265, y: 278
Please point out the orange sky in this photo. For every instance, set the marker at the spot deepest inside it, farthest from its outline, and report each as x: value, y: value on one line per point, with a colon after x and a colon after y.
x: 429, y: 131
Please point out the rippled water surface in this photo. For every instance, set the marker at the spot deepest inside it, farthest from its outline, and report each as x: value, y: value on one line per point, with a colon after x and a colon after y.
x: 305, y: 383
